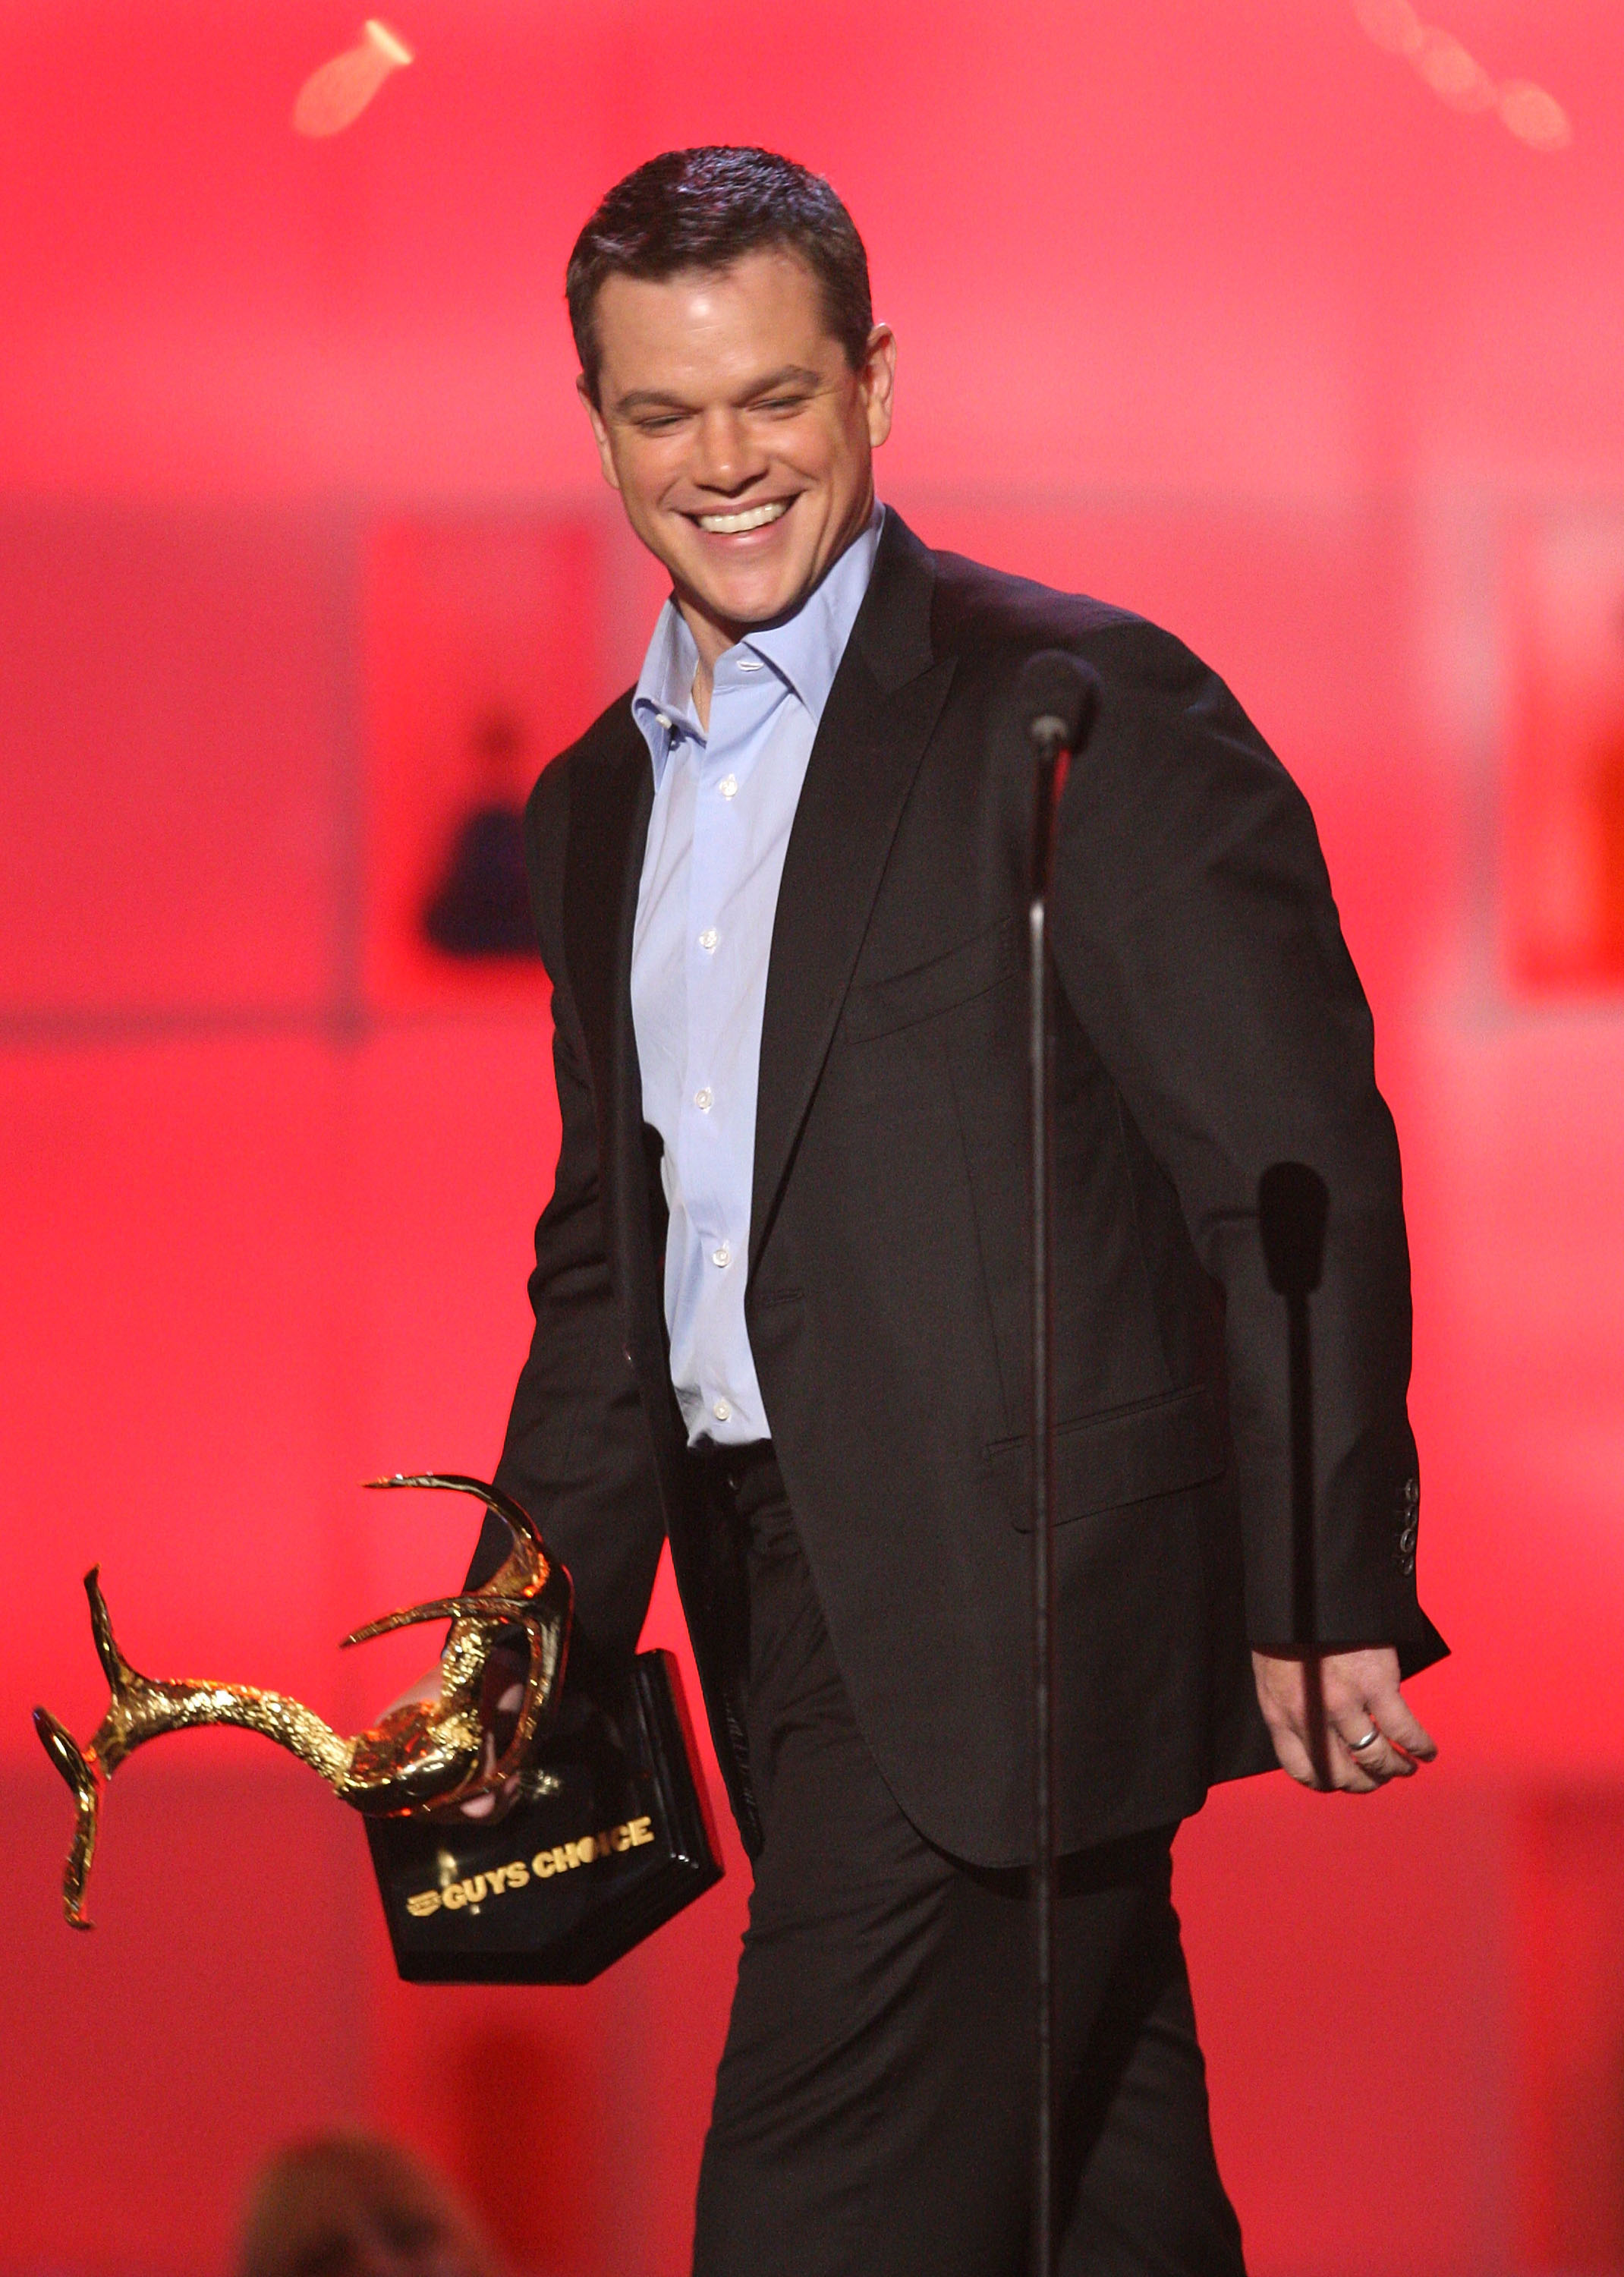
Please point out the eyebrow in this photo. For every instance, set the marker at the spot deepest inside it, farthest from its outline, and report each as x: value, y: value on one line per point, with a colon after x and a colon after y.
x: 790, y: 375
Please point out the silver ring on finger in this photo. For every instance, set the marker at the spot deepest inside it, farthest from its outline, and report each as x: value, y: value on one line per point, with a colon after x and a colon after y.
x: 1358, y: 1747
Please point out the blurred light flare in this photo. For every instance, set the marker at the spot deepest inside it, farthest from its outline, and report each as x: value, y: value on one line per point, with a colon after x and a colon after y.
x: 1392, y: 24
x: 1534, y: 116
x: 336, y: 94
x: 1454, y: 74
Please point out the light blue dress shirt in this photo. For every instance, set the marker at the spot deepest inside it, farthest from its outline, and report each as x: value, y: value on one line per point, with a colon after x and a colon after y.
x: 724, y: 802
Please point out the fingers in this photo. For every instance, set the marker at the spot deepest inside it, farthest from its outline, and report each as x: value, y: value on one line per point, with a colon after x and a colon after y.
x: 1293, y: 1755
x: 1402, y: 1743
x: 1339, y: 1720
x: 426, y: 1688
x: 1281, y: 1699
x: 482, y: 1806
x: 1361, y: 1768
x: 1281, y: 1696
x: 1323, y: 1760
x: 1392, y: 1711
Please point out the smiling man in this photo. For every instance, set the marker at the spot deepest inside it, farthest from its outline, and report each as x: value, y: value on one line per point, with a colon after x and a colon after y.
x: 780, y: 1286
x: 737, y: 423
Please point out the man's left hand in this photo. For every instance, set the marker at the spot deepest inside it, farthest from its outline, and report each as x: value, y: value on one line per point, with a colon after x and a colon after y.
x: 1338, y: 1719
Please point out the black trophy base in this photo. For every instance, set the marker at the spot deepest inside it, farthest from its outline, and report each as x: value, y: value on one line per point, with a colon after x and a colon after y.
x: 619, y: 1840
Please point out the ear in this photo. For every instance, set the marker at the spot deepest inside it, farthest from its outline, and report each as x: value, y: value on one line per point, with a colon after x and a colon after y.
x: 877, y: 382
x: 600, y: 432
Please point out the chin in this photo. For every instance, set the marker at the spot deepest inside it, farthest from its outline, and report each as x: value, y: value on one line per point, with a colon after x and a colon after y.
x: 757, y: 607
x: 751, y: 602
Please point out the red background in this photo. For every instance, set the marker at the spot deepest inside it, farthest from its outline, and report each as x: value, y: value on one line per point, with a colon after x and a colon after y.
x: 1217, y: 311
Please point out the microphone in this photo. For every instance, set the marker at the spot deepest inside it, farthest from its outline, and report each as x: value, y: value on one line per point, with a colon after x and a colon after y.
x: 1293, y: 1210
x: 1058, y: 696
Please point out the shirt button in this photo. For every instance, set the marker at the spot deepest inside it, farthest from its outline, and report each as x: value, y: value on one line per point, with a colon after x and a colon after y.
x: 722, y: 1256
x: 749, y: 664
x: 720, y: 1409
x: 664, y: 719
x: 701, y: 1099
x: 709, y: 938
x: 728, y: 786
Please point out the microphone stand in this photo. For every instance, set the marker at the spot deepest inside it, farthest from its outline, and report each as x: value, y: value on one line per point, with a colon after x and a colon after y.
x: 1050, y: 738
x: 1293, y: 1210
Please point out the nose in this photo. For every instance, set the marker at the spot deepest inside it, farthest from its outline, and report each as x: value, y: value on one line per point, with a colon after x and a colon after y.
x: 726, y: 459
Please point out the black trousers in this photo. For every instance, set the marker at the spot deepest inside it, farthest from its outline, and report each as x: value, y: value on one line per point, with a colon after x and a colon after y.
x: 873, y: 2113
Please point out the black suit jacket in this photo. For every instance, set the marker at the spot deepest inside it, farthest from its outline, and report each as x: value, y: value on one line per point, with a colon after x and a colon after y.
x: 1210, y: 1023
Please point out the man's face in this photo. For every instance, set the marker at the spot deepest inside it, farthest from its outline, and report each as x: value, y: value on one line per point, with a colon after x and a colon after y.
x: 737, y: 433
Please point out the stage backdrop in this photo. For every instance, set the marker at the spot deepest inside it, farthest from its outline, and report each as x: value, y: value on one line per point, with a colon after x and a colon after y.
x: 1298, y: 327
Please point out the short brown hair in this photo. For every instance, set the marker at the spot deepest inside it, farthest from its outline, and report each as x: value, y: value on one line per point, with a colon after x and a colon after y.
x: 703, y: 209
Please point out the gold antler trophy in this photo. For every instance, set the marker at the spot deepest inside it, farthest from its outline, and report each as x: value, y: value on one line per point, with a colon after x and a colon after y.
x: 608, y: 1779
x: 424, y: 1755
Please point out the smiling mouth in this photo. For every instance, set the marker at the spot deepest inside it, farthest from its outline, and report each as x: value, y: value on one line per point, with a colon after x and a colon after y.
x: 749, y: 517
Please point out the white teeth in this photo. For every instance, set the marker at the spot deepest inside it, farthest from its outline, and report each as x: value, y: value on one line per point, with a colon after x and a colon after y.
x: 724, y: 525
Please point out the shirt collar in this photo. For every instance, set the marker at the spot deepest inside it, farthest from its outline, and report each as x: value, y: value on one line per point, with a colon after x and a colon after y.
x: 805, y: 650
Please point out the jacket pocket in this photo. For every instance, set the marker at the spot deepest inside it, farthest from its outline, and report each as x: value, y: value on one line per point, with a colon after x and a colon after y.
x: 1122, y: 1455
x: 877, y: 1008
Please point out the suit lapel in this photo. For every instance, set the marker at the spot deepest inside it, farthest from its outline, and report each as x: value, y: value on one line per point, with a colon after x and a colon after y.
x: 884, y: 703
x: 610, y: 806
x: 610, y: 802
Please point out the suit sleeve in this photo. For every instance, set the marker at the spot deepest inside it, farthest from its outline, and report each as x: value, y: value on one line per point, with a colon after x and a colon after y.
x: 577, y: 1454
x: 1197, y: 941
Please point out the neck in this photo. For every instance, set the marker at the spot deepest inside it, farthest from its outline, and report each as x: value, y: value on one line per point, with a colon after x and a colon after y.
x: 712, y: 637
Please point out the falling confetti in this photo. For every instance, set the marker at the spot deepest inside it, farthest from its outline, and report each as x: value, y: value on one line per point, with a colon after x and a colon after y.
x: 334, y: 96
